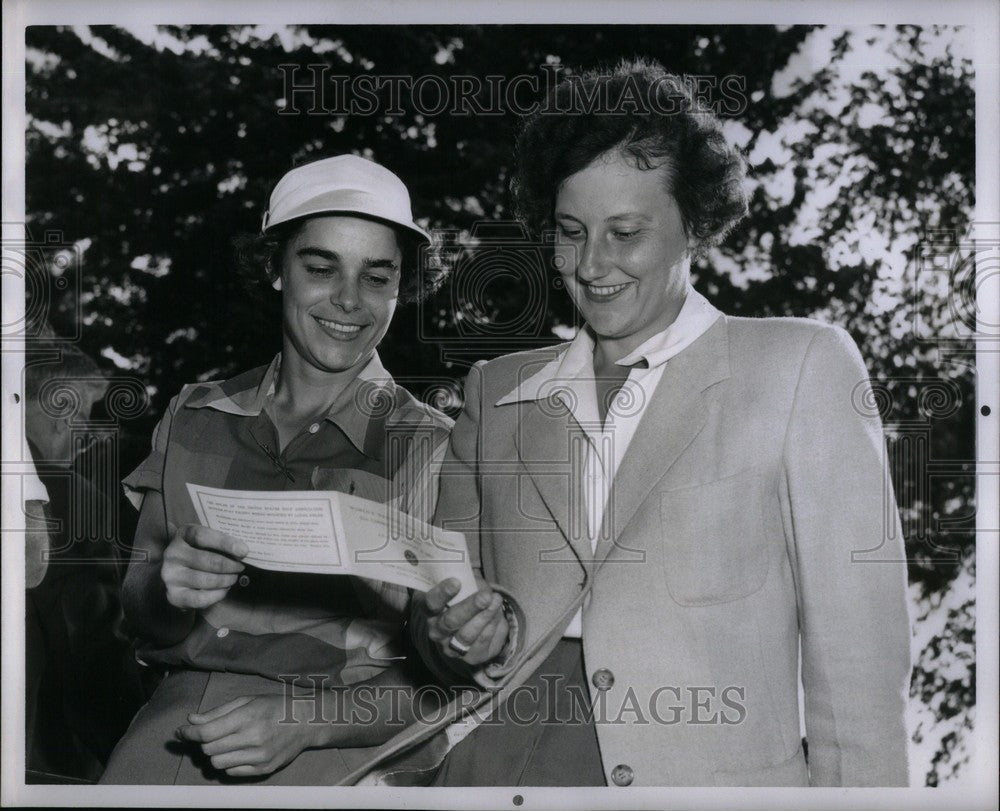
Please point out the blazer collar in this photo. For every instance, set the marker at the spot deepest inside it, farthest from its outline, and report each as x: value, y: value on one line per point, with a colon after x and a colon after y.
x: 675, y: 415
x: 677, y: 412
x: 696, y: 317
x: 538, y: 385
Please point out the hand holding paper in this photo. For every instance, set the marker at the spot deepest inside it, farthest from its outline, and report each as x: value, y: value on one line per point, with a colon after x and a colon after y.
x: 477, y: 623
x: 199, y: 566
x: 335, y: 533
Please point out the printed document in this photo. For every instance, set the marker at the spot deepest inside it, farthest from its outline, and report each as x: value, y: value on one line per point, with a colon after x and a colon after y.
x: 329, y: 532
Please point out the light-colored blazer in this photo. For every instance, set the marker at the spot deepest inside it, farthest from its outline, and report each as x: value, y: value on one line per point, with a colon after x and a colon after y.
x: 751, y: 517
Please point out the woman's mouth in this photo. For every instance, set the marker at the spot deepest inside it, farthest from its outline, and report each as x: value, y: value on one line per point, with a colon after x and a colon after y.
x: 338, y: 329
x: 604, y: 292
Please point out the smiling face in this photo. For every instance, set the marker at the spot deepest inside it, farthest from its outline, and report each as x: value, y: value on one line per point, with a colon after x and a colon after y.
x: 339, y: 282
x: 622, y: 251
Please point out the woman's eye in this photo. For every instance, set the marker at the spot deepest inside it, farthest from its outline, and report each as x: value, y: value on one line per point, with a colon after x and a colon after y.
x: 320, y: 270
x: 377, y: 281
x: 625, y: 234
x: 570, y: 233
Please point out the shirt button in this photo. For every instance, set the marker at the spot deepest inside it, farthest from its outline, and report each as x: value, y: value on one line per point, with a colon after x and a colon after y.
x: 244, y: 580
x: 621, y: 775
x: 314, y: 428
x: 222, y: 633
x: 603, y: 679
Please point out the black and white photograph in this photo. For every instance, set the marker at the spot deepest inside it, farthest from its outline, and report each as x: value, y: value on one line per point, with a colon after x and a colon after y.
x: 578, y: 405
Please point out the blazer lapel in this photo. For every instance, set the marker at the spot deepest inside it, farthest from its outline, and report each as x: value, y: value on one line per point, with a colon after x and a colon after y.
x: 551, y: 447
x: 675, y: 415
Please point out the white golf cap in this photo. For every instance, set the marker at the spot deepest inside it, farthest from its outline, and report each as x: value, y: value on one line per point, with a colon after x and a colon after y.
x: 345, y: 184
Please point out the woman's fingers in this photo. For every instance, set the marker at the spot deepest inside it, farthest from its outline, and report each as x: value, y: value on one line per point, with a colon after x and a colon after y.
x: 240, y: 758
x: 213, y: 730
x: 197, y: 599
x: 204, y: 538
x: 483, y: 637
x: 436, y: 600
x: 479, y: 649
x: 218, y: 712
x: 499, y: 640
x: 250, y: 771
x: 473, y: 630
x: 196, y: 567
x: 468, y: 634
x: 208, y: 561
x: 227, y: 743
x: 182, y: 577
x: 458, y: 615
x: 180, y: 552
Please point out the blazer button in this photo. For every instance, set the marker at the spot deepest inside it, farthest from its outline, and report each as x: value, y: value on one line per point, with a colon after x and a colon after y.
x: 244, y: 580
x: 621, y: 775
x: 603, y: 679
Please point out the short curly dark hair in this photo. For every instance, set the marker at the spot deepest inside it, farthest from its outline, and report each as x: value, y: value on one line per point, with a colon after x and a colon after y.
x: 667, y: 127
x: 258, y: 261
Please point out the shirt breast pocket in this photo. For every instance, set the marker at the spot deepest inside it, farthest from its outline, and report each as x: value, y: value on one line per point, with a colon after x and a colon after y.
x: 715, y: 543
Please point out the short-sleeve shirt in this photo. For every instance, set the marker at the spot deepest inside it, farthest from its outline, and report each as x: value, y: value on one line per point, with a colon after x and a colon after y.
x: 376, y: 441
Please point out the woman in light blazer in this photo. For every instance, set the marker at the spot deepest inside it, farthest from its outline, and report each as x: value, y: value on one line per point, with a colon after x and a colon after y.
x: 716, y: 483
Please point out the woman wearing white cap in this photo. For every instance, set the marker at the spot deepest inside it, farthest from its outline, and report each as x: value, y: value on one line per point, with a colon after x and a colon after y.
x: 339, y: 243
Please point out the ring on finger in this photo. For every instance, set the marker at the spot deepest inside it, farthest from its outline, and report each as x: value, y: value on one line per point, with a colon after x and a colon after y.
x: 458, y: 646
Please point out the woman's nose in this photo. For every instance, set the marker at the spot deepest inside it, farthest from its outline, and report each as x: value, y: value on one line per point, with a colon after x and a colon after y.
x: 345, y: 295
x: 593, y: 262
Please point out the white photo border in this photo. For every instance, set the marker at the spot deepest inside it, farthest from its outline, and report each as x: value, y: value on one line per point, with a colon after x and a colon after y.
x: 982, y: 16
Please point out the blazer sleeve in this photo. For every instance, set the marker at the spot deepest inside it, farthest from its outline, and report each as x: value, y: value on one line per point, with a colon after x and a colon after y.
x: 850, y: 568
x: 458, y: 504
x: 458, y: 509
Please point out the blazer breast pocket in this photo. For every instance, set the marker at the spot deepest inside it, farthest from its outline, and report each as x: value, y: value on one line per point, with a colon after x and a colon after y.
x: 715, y: 545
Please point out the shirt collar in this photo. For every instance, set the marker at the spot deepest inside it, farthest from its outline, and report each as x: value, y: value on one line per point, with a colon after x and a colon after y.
x: 360, y: 411
x: 364, y: 407
x: 696, y: 316
x: 576, y: 360
x: 243, y: 395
